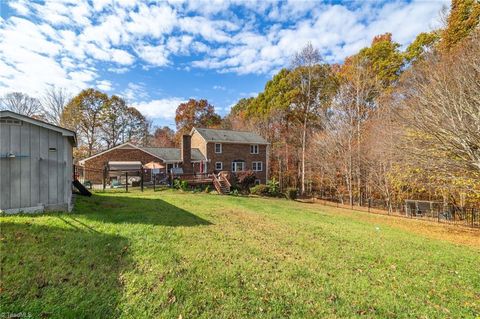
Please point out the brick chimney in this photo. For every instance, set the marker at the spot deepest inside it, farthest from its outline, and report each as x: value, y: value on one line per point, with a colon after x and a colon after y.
x: 186, y: 153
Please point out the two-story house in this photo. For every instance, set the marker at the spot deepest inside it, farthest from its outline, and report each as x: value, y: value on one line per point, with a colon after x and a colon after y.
x: 226, y: 150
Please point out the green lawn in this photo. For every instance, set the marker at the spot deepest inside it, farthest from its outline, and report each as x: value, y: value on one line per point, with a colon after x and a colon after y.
x: 170, y: 254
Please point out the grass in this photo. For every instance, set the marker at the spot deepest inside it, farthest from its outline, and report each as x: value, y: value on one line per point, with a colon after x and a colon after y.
x: 170, y: 254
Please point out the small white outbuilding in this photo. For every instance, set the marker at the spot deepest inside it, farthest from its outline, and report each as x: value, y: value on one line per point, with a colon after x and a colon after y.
x: 36, y: 164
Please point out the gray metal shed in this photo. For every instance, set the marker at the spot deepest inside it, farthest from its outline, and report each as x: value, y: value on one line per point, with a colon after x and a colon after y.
x: 35, y: 164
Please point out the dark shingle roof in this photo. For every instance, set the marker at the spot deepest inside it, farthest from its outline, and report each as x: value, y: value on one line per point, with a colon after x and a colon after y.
x: 227, y: 136
x: 173, y: 154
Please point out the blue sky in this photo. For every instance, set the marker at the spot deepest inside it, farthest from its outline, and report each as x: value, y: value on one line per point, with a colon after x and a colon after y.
x: 157, y: 54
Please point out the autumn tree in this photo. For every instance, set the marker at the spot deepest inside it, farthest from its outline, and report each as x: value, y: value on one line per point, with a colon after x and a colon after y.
x: 423, y: 44
x: 163, y: 137
x: 195, y: 113
x: 363, y: 78
x: 310, y: 81
x: 21, y: 103
x: 237, y: 117
x: 278, y: 115
x: 463, y: 19
x: 137, y: 127
x: 84, y: 115
x: 114, y: 119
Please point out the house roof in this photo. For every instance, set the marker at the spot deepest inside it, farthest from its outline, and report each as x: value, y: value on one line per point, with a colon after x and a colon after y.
x: 173, y: 154
x: 228, y: 136
x: 166, y: 154
x: 65, y: 132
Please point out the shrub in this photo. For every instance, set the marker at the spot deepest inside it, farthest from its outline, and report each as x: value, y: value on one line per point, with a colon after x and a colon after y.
x: 179, y: 184
x: 208, y: 189
x: 291, y: 193
x: 273, y: 187
x: 245, y: 180
x: 260, y: 190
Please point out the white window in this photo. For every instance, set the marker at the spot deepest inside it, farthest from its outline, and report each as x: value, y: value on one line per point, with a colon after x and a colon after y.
x: 218, y: 148
x: 257, y: 166
x: 257, y: 182
x: 218, y: 166
x: 238, y: 166
x: 254, y: 149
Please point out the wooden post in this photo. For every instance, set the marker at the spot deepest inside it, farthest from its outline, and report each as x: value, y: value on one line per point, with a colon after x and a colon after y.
x: 104, y: 177
x: 473, y: 222
x: 154, y: 178
x: 126, y: 181
x: 141, y: 180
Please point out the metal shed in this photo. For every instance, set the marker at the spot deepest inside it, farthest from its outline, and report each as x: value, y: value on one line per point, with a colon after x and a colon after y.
x: 35, y: 164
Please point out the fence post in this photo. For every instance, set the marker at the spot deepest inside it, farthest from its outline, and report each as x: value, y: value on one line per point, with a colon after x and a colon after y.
x: 369, y: 204
x: 473, y: 224
x: 154, y: 178
x: 104, y: 177
x: 141, y: 180
x: 126, y: 181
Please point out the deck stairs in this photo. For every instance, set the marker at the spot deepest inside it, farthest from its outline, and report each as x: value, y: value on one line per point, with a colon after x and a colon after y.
x: 221, y: 183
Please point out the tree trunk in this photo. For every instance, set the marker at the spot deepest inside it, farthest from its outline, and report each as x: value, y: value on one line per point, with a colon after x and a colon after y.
x: 304, y: 140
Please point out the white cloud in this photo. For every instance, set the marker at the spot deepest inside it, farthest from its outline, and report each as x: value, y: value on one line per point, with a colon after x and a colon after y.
x: 151, y: 20
x: 337, y: 30
x: 155, y: 55
x: 21, y: 7
x: 118, y: 70
x: 104, y: 85
x: 67, y: 40
x: 121, y: 57
x: 135, y: 92
x: 208, y: 29
x: 160, y: 109
x: 219, y: 87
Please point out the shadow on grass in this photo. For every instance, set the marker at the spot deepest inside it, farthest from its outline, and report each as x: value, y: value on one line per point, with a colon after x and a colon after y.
x: 61, y: 272
x: 135, y: 210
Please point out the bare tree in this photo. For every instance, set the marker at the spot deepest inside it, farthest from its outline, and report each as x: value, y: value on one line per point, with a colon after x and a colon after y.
x: 54, y: 101
x: 442, y: 105
x: 21, y: 103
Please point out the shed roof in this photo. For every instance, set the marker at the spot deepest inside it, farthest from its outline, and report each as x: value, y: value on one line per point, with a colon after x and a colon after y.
x: 65, y: 132
x: 228, y: 136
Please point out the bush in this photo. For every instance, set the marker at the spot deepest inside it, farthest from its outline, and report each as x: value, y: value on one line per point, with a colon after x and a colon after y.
x: 260, y: 190
x: 182, y: 185
x: 245, y: 180
x: 291, y: 193
x: 273, y: 187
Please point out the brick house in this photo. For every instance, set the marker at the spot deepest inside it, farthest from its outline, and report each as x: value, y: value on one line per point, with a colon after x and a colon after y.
x: 234, y: 151
x: 202, y: 151
x: 91, y: 168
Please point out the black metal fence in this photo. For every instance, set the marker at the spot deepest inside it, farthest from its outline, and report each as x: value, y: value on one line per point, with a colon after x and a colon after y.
x: 449, y: 214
